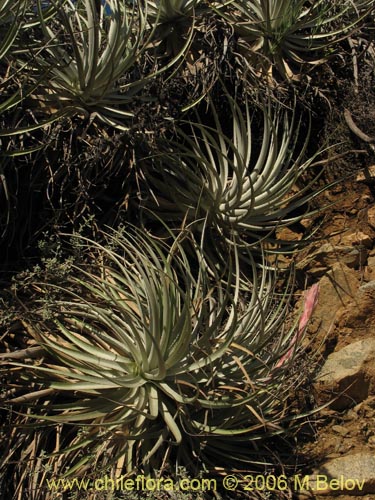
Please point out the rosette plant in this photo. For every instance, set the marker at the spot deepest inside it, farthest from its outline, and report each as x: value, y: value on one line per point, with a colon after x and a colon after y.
x: 169, y: 11
x: 86, y: 54
x: 173, y: 20
x: 241, y: 189
x: 286, y: 34
x: 142, y: 351
x: 90, y: 62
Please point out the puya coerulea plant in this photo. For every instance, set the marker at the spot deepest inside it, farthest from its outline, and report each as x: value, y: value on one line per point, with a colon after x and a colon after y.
x: 173, y: 20
x: 89, y: 61
x: 226, y: 180
x: 150, y: 356
x: 281, y: 37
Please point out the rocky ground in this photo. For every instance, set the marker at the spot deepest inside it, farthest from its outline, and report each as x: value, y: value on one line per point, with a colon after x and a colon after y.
x: 340, y: 451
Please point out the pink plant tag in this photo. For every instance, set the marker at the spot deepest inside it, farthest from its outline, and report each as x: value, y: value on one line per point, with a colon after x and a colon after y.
x: 311, y: 299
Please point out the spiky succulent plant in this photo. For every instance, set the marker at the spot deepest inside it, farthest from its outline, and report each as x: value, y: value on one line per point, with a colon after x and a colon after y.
x: 144, y: 352
x: 167, y: 11
x: 86, y: 54
x: 241, y: 188
x: 283, y: 35
x: 173, y: 20
x: 88, y: 58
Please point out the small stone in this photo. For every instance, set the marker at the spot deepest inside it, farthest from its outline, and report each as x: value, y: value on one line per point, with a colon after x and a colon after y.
x: 371, y: 441
x: 305, y: 495
x: 316, y: 264
x: 357, y: 238
x: 371, y: 261
x: 348, y: 375
x: 340, y: 429
x: 336, y: 454
x: 371, y: 216
x: 371, y: 402
x: 368, y: 287
x: 367, y: 174
x: 352, y: 474
x: 358, y: 409
x: 350, y: 415
x: 336, y: 290
x: 344, y: 448
x: 355, y: 258
x: 287, y: 234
